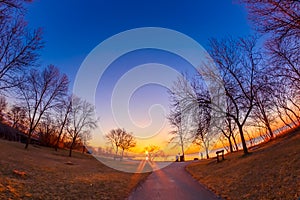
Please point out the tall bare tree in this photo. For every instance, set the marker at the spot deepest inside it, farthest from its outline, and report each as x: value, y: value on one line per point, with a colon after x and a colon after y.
x: 190, y: 119
x: 279, y: 22
x: 239, y: 63
x: 228, y: 129
x: 18, y: 46
x: 202, y: 117
x: 62, y: 112
x: 202, y: 135
x: 263, y: 113
x: 81, y: 121
x: 41, y: 92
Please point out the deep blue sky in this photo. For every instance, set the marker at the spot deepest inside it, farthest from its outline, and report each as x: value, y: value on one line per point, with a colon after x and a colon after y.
x: 72, y: 28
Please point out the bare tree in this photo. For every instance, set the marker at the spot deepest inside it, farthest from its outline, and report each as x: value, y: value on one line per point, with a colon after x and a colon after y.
x: 202, y: 137
x: 7, y: 6
x: 228, y: 132
x: 278, y: 18
x: 202, y: 118
x: 18, y: 47
x: 287, y: 106
x: 229, y: 129
x: 17, y: 115
x: 263, y: 112
x: 81, y: 121
x: 128, y: 141
x: 114, y: 137
x: 279, y: 21
x: 181, y: 117
x: 47, y: 130
x: 63, y: 112
x: 285, y: 59
x: 190, y: 118
x: 119, y: 138
x: 41, y: 92
x: 84, y: 140
x: 239, y: 63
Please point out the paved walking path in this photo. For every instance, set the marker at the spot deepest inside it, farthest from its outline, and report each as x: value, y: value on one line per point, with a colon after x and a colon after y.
x: 171, y: 182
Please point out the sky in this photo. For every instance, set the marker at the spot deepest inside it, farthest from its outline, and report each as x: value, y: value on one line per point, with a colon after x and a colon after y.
x: 73, y: 28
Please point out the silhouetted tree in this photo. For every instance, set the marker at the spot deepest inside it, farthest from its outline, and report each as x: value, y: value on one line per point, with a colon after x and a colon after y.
x: 228, y: 129
x: 179, y: 135
x: 17, y: 115
x: 18, y: 46
x: 279, y: 22
x: 63, y: 111
x: 41, y: 92
x: 128, y: 141
x: 81, y: 121
x: 119, y: 138
x: 277, y: 18
x: 190, y: 119
x: 114, y: 137
x: 202, y: 137
x: 47, y: 130
x: 239, y: 64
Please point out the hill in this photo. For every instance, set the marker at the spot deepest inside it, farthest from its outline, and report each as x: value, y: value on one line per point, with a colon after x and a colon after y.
x: 42, y: 173
x: 271, y: 171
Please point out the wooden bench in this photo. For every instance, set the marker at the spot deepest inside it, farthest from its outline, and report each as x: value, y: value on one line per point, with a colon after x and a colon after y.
x: 220, y: 152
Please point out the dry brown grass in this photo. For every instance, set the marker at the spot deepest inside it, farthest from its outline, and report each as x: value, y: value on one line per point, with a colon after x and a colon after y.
x: 42, y: 173
x: 271, y: 171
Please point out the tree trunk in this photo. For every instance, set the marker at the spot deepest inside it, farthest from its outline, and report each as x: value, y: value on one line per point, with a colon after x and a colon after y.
x: 206, y: 150
x: 182, y: 149
x: 116, y: 153
x: 71, y: 148
x: 235, y: 144
x: 182, y: 146
x: 230, y: 144
x: 122, y: 154
x: 245, y: 149
x: 270, y: 131
x: 62, y: 127
x: 28, y: 138
x: 70, y: 151
x: 57, y: 141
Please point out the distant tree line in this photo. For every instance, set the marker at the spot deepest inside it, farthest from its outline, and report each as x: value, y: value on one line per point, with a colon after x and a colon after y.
x: 260, y: 82
x: 43, y: 110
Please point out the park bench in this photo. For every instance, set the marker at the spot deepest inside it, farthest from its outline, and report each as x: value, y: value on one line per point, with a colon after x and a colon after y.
x: 218, y: 153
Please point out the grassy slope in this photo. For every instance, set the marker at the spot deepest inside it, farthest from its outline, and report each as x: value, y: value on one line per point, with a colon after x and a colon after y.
x: 53, y: 175
x: 271, y: 171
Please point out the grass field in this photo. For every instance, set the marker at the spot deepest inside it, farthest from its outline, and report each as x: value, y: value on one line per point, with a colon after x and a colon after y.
x: 271, y: 171
x: 42, y: 173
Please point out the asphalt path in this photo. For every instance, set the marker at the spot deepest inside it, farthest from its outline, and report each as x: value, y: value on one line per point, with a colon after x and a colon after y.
x: 172, y: 182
